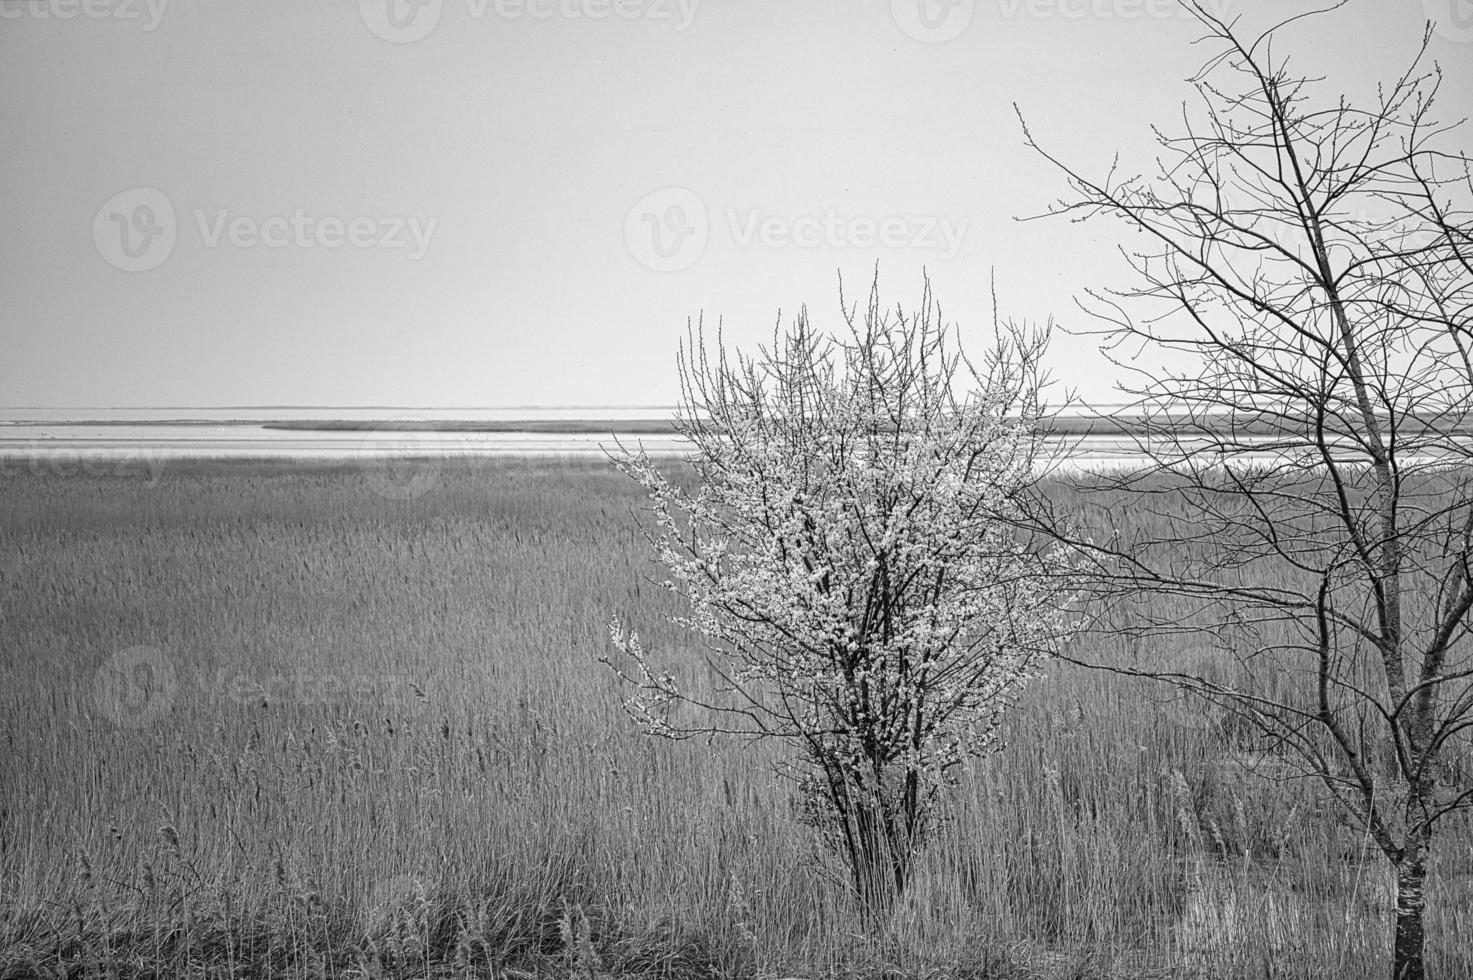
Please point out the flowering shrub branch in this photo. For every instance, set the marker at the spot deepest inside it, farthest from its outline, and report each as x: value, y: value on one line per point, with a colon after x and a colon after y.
x: 846, y: 560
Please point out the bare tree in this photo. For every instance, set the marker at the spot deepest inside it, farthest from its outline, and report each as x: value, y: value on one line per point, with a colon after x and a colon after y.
x: 844, y: 562
x: 1304, y: 278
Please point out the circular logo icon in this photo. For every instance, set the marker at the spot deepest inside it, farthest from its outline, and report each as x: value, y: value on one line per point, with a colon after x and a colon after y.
x: 135, y: 687
x: 667, y: 229
x: 135, y: 230
x: 400, y: 464
x: 1452, y: 19
x: 933, y: 21
x: 400, y: 21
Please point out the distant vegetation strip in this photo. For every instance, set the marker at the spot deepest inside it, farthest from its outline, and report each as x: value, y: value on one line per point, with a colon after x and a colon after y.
x: 664, y: 426
x: 1061, y: 426
x: 555, y: 426
x: 1121, y: 425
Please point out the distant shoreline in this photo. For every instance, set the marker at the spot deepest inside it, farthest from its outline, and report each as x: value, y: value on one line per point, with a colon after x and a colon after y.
x: 1059, y: 427
x: 632, y: 427
x: 617, y: 427
x: 1119, y: 426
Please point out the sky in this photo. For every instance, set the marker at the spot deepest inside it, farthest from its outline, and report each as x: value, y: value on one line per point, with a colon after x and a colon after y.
x: 449, y: 203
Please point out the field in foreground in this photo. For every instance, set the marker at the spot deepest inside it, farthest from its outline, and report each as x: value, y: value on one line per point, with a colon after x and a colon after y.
x: 264, y: 720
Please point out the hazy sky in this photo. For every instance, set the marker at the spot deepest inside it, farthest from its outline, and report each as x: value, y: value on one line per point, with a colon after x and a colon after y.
x: 513, y: 202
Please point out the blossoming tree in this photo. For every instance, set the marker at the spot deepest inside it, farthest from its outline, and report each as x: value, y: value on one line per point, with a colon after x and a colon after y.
x: 845, y: 559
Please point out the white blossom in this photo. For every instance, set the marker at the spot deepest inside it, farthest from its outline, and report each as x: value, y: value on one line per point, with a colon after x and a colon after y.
x: 847, y: 558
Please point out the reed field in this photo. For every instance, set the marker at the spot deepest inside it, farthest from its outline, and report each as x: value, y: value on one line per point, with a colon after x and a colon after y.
x: 266, y: 719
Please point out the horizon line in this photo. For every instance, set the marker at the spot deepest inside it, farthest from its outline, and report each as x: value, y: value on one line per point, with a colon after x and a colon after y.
x: 417, y: 408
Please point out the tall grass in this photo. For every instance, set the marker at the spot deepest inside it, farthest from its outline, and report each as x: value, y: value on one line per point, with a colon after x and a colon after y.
x: 387, y: 749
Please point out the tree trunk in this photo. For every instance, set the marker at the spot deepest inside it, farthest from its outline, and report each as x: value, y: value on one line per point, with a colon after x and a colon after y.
x: 879, y: 863
x: 1411, y: 882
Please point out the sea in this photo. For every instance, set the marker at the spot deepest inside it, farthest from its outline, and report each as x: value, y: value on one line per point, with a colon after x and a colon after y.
x: 58, y: 438
x: 245, y: 432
